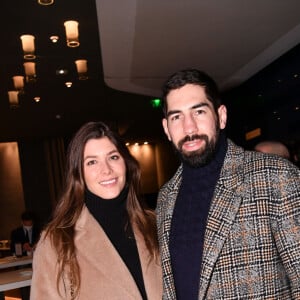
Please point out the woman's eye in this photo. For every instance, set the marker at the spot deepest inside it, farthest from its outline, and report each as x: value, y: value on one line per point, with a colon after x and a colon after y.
x: 114, y: 157
x: 91, y: 162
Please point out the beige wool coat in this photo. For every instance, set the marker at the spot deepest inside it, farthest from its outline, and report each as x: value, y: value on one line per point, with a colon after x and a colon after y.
x: 104, y: 276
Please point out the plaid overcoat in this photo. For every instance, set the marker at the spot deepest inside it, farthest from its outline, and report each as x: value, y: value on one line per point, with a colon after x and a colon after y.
x: 252, y: 238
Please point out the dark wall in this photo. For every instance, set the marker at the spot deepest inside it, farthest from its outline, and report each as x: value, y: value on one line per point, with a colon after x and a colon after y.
x: 35, y: 179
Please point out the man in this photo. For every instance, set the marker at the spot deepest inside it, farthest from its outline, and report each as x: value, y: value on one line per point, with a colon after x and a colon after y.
x: 273, y: 147
x: 229, y: 219
x: 27, y: 235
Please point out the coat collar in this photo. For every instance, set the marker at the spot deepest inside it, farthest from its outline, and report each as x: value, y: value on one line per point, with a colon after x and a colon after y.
x: 224, y: 207
x: 90, y: 238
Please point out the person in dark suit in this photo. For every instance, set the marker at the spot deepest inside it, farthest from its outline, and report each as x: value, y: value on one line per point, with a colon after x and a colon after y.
x: 27, y: 234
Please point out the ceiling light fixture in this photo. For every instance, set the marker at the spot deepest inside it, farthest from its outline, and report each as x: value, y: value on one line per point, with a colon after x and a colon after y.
x: 72, y: 35
x: 28, y: 46
x: 30, y: 71
x: 81, y: 66
x: 13, y: 98
x: 45, y: 2
x: 18, y: 83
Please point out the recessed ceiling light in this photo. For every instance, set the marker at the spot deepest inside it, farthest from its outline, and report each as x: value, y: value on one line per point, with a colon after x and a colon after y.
x: 68, y: 84
x: 37, y: 98
x: 54, y: 38
x: 61, y: 72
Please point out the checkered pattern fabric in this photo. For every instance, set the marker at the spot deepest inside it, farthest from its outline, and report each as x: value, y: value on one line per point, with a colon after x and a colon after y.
x: 252, y: 238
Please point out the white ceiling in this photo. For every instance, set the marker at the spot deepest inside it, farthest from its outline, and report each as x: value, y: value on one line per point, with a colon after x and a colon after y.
x: 143, y: 42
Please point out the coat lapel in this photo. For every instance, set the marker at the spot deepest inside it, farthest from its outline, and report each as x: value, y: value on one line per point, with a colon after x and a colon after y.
x: 91, y: 239
x: 224, y: 207
x: 164, y: 213
x: 151, y: 269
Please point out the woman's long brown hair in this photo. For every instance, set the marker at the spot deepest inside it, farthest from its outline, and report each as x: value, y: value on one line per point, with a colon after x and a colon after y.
x: 61, y: 228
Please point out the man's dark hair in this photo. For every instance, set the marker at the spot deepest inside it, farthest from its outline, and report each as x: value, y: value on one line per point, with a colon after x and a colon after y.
x: 27, y: 215
x: 191, y: 76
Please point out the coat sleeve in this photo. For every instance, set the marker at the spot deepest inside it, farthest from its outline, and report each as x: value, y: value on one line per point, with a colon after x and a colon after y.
x: 286, y: 227
x: 44, y: 277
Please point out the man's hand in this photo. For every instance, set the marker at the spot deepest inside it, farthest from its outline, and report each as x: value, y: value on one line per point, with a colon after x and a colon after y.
x: 27, y: 247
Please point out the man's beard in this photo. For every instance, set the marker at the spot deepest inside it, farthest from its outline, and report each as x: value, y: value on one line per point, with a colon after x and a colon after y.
x: 200, y: 157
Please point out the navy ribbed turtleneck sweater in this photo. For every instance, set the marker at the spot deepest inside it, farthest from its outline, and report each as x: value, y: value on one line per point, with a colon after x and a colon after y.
x: 189, y: 222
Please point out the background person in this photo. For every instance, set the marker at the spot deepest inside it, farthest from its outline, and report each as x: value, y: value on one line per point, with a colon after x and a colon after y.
x: 102, y: 241
x: 27, y: 234
x: 273, y: 147
x: 228, y: 220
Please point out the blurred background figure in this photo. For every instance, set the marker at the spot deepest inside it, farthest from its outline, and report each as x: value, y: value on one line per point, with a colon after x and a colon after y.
x: 273, y: 147
x: 27, y: 235
x: 23, y: 241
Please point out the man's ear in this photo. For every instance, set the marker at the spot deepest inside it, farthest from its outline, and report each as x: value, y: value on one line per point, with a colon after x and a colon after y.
x: 222, y: 112
x: 165, y: 126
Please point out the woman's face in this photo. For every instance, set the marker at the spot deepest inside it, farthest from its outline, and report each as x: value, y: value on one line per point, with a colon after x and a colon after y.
x: 104, y: 168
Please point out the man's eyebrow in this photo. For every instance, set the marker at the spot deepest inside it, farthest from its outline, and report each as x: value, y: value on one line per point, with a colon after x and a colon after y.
x: 200, y: 105
x: 172, y: 112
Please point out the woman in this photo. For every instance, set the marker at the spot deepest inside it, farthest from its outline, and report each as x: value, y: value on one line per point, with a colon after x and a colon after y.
x: 101, y: 242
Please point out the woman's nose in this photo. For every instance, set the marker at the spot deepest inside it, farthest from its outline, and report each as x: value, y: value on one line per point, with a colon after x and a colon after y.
x: 105, y: 168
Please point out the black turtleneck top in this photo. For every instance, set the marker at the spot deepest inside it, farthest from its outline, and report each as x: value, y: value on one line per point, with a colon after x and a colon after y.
x: 189, y: 222
x: 112, y: 216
